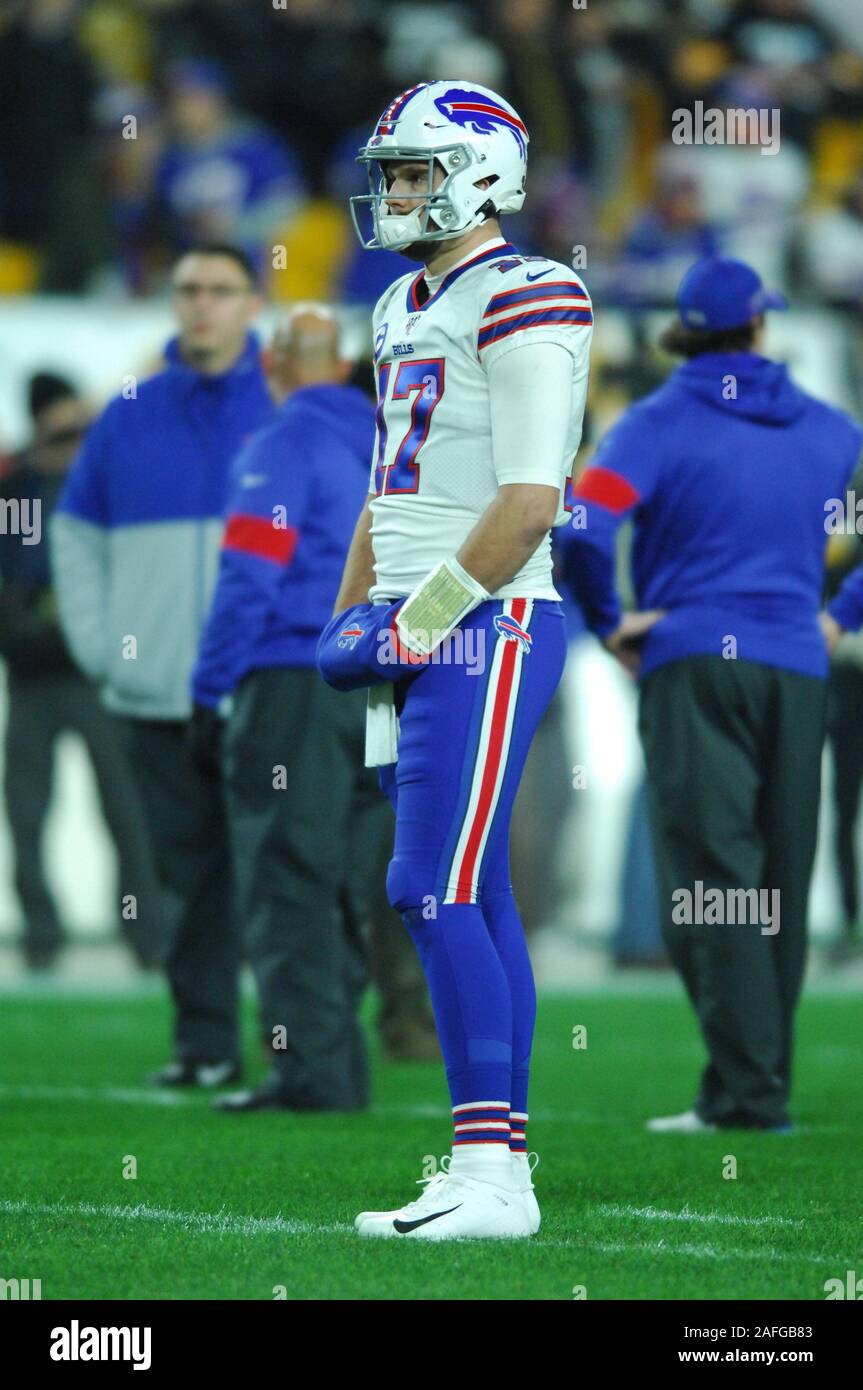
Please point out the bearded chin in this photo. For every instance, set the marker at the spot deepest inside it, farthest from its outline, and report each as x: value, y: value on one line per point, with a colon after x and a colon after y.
x: 421, y: 250
x: 418, y: 250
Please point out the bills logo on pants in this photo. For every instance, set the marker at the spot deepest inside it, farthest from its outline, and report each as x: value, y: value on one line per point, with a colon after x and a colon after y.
x: 509, y: 629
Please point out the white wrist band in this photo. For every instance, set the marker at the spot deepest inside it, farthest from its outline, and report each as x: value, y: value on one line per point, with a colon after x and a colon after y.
x: 437, y: 606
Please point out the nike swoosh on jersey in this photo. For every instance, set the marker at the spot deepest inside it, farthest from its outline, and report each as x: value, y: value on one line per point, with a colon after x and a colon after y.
x: 404, y: 1226
x: 540, y: 275
x: 253, y: 479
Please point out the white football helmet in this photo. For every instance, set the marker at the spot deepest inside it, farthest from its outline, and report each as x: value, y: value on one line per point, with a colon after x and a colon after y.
x: 472, y: 133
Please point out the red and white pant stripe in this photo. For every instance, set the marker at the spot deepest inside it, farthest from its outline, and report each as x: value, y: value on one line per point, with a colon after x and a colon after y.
x: 491, y: 759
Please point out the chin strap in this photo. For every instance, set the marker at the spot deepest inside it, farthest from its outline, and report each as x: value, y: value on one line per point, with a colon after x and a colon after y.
x: 437, y: 606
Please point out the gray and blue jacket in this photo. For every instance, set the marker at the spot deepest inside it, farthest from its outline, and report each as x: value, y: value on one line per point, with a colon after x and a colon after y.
x: 135, y: 539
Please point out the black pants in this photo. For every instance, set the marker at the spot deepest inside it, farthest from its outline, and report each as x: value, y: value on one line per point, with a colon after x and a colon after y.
x: 299, y: 803
x: 41, y: 708
x: 845, y: 728
x: 733, y: 752
x: 189, y: 834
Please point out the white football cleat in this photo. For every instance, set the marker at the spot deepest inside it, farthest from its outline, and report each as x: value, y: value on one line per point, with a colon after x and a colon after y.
x: 687, y: 1123
x: 456, y: 1208
x: 523, y: 1176
x: 430, y: 1184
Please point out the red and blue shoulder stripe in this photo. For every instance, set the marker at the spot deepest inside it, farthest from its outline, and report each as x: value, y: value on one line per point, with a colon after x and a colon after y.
x: 548, y: 303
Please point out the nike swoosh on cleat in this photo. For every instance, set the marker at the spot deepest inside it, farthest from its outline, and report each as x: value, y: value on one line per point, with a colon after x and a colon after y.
x: 404, y: 1226
x: 540, y: 275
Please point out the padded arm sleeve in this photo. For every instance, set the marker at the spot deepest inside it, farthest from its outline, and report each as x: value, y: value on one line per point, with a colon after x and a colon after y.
x: 531, y: 402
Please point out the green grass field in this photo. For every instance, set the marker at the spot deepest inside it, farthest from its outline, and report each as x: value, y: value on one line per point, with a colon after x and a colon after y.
x: 232, y: 1207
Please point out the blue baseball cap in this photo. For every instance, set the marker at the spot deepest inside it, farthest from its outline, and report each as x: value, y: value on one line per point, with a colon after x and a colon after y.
x: 720, y: 293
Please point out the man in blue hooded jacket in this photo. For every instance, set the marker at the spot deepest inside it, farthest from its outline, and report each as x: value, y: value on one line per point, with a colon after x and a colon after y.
x: 135, y: 546
x: 295, y: 784
x: 725, y: 470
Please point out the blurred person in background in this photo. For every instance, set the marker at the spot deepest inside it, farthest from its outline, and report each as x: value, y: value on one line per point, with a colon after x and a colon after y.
x: 317, y: 73
x: 529, y: 35
x: 832, y: 247
x: 798, y: 59
x: 636, y: 941
x: 135, y: 547
x: 129, y: 170
x: 49, y: 190
x: 552, y: 97
x: 843, y: 619
x: 306, y: 69
x: 47, y: 695
x: 664, y: 240
x: 753, y: 200
x: 301, y: 895
x: 733, y: 666
x: 222, y: 177
x: 846, y: 741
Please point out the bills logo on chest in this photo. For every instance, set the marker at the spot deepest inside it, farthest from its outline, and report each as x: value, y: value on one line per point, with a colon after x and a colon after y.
x: 407, y: 349
x: 398, y: 349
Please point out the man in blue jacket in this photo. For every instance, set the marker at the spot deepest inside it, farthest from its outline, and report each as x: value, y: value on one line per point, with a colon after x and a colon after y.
x: 725, y: 470
x: 135, y: 543
x: 292, y: 756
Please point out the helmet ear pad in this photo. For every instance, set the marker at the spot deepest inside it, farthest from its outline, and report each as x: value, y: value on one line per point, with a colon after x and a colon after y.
x: 488, y: 210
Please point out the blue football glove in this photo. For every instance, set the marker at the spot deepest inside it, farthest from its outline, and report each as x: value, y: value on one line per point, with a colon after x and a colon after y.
x: 360, y: 647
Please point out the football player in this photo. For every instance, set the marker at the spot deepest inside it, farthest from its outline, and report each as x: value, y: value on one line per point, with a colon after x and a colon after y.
x: 447, y: 608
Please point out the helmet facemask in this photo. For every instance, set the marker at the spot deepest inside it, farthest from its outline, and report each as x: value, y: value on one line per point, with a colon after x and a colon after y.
x: 445, y: 212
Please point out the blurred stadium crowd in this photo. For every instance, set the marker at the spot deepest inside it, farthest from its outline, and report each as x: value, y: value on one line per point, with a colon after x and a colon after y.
x: 130, y: 127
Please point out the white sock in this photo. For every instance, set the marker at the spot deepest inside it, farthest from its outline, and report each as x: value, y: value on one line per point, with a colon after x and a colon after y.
x: 521, y: 1168
x: 487, y: 1162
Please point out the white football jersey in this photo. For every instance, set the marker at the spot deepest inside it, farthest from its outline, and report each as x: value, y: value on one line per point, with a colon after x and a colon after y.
x: 433, y: 472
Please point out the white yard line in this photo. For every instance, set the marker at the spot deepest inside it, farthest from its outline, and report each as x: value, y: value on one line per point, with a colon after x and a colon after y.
x: 222, y: 1223
x: 203, y: 1223
x: 710, y: 1217
x: 693, y: 1251
x: 113, y: 1094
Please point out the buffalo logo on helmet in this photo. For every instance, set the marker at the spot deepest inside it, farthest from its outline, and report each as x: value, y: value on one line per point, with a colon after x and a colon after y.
x: 511, y: 631
x: 476, y: 112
